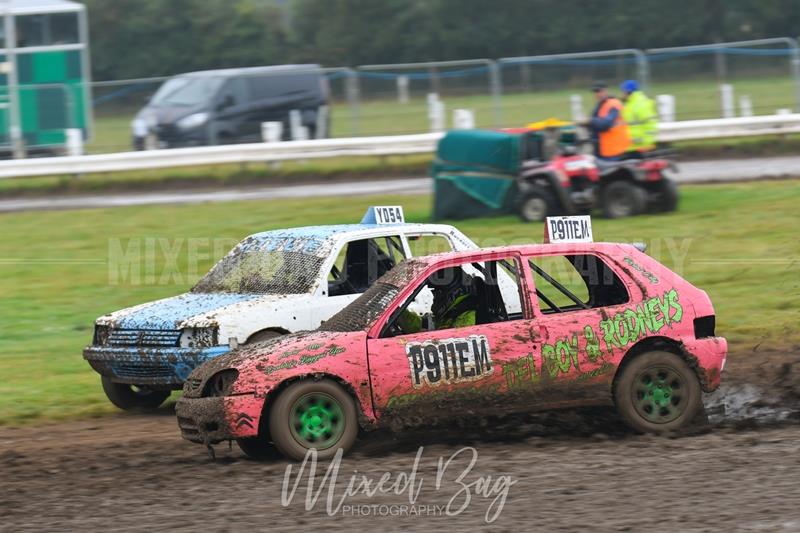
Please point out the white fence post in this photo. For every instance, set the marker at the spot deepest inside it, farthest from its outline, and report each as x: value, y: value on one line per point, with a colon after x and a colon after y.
x: 727, y: 100
x: 322, y: 122
x: 402, y: 89
x: 271, y: 132
x: 745, y: 106
x: 463, y: 119
x: 299, y: 132
x: 74, y: 141
x: 576, y: 108
x: 436, y: 113
x: 666, y: 107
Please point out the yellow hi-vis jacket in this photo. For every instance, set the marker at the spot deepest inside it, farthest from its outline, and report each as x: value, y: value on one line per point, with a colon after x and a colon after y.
x: 641, y: 117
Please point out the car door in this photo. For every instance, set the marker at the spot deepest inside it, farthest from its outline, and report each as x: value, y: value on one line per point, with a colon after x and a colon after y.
x: 575, y: 295
x: 455, y: 371
x: 358, y: 263
x: 233, y: 120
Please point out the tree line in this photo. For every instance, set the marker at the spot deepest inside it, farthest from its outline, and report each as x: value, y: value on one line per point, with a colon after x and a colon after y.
x: 143, y: 38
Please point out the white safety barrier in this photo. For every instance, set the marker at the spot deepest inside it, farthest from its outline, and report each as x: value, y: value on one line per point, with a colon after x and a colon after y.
x: 356, y: 146
x: 723, y: 128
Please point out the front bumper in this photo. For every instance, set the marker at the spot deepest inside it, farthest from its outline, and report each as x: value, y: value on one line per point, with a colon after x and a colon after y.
x: 711, y: 354
x: 213, y: 420
x: 149, y: 366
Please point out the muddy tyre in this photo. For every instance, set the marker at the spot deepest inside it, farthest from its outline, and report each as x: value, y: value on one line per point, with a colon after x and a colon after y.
x: 130, y: 397
x: 658, y: 392
x: 257, y: 448
x: 316, y: 414
x: 667, y: 195
x: 623, y: 199
x: 263, y: 336
x: 537, y: 204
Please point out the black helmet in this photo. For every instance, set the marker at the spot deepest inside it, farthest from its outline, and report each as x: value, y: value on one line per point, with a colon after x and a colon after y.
x: 448, y: 284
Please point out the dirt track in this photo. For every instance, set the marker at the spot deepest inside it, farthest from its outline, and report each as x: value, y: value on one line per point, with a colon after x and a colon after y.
x: 577, y: 470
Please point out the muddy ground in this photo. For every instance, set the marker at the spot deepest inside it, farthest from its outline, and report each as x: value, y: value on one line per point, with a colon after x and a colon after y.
x: 574, y: 470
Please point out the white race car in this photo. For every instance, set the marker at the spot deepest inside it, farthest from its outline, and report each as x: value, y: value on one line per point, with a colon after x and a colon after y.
x: 270, y: 284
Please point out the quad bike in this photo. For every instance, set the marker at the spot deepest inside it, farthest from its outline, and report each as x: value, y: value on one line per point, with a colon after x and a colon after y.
x: 566, y: 182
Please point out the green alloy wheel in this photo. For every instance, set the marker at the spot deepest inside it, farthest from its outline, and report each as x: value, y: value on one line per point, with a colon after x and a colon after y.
x: 658, y: 392
x: 313, y: 414
x: 317, y: 420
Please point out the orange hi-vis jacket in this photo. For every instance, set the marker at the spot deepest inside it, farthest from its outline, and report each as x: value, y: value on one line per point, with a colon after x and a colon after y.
x: 616, y: 140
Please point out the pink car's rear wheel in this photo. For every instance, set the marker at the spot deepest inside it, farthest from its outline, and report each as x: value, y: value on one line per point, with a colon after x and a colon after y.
x: 313, y: 414
x: 658, y: 392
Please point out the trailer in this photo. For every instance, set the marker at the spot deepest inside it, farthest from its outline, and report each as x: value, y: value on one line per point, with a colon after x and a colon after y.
x: 44, y: 77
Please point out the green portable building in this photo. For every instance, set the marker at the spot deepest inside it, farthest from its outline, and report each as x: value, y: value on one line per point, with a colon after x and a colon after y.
x: 44, y: 73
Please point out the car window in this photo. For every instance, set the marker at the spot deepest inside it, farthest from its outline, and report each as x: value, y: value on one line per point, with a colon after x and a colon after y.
x: 360, y: 263
x: 277, y: 84
x: 460, y: 296
x: 234, y: 92
x: 428, y: 244
x: 572, y: 282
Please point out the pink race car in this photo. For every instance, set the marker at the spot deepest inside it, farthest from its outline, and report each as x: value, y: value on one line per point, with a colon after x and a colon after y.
x: 479, y: 332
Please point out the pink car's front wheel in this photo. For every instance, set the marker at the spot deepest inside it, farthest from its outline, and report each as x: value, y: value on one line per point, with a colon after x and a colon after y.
x: 313, y: 414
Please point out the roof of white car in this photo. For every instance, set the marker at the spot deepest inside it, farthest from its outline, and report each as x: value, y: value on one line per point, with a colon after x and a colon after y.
x: 319, y: 240
x: 338, y: 232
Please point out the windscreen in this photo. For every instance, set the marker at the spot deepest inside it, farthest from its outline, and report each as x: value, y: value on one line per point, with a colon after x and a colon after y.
x: 186, y: 91
x: 370, y: 306
x: 264, y: 266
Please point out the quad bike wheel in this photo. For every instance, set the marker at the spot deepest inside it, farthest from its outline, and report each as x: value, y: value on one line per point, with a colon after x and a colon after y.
x: 537, y: 204
x: 623, y: 199
x: 130, y: 397
x: 667, y: 195
x: 658, y: 392
x: 313, y: 414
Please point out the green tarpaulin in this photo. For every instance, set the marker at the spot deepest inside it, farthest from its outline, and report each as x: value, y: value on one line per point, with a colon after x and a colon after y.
x: 474, y: 173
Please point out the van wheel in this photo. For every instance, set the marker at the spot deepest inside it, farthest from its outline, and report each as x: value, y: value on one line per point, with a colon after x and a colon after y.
x: 536, y: 204
x: 313, y: 414
x: 623, y: 199
x: 129, y: 397
x: 658, y: 392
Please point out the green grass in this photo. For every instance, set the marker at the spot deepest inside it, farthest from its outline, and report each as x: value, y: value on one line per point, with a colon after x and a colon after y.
x: 55, y: 275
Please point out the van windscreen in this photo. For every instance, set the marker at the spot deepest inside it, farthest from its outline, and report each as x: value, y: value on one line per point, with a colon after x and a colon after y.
x: 187, y: 91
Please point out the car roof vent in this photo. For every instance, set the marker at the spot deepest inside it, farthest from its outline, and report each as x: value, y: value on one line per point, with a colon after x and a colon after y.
x: 642, y: 247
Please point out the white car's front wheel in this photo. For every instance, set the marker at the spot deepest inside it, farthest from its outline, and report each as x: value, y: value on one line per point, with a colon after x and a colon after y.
x: 129, y: 397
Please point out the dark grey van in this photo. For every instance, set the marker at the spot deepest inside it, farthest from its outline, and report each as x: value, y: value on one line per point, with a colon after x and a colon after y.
x: 228, y: 106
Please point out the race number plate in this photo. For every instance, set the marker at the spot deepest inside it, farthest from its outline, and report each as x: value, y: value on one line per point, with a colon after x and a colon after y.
x: 568, y: 229
x: 384, y: 214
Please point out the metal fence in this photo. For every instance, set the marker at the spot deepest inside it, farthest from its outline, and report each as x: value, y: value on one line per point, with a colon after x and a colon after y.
x: 708, y: 81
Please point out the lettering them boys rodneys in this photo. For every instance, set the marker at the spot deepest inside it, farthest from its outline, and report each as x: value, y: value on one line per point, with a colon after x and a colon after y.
x: 616, y: 332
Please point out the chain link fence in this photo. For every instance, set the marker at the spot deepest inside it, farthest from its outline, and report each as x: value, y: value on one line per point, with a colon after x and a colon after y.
x: 707, y: 81
x: 728, y: 79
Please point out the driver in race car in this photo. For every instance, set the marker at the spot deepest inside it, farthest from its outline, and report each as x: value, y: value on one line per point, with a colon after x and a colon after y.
x: 454, y: 302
